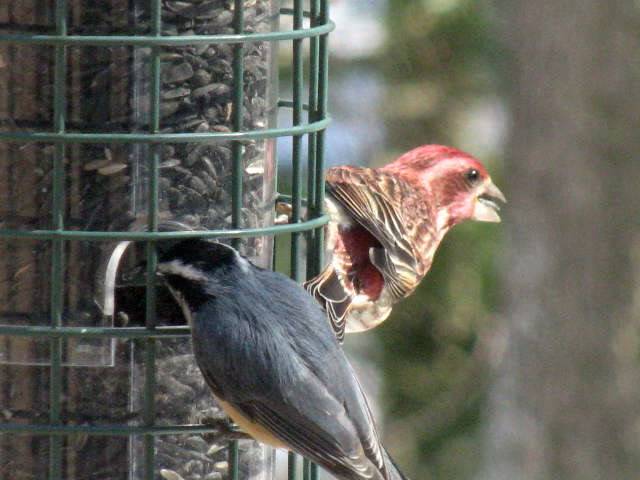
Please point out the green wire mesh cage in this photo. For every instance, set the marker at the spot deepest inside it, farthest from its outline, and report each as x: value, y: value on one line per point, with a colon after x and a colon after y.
x: 125, y: 124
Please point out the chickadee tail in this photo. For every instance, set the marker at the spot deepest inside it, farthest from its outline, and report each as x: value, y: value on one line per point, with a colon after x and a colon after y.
x: 328, y: 291
x: 393, y: 472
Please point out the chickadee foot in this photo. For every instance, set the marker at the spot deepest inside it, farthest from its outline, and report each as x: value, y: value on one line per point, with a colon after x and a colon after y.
x: 224, y: 430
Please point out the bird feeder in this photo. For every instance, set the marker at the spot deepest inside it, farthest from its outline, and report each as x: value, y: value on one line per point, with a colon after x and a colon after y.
x: 125, y: 125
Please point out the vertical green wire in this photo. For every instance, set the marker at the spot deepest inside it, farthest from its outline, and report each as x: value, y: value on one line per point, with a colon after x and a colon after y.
x: 57, y: 262
x: 314, y: 471
x: 292, y: 466
x: 314, y: 61
x: 149, y: 413
x: 298, y: 82
x: 306, y: 469
x: 323, y: 79
x: 237, y: 170
x: 296, y: 173
x: 238, y: 110
x: 320, y: 113
x: 234, y: 470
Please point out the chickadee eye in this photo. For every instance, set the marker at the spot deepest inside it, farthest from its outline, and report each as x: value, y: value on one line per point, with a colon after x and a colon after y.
x: 472, y: 175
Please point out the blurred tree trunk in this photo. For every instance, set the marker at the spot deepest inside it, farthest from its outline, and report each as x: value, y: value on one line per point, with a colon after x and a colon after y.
x: 565, y: 402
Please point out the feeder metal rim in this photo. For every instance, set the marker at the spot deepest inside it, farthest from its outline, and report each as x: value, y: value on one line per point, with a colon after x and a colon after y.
x: 104, y: 430
x: 158, y: 236
x: 162, y: 138
x: 94, y: 332
x: 166, y: 40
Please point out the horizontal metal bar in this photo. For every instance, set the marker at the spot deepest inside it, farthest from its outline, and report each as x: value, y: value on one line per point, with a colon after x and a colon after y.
x: 180, y: 235
x: 154, y: 138
x: 94, y: 332
x: 289, y: 198
x: 289, y: 104
x: 164, y: 41
x: 289, y: 11
x: 102, y: 430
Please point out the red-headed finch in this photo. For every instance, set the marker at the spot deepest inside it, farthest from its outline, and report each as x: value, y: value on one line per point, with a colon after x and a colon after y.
x: 386, y: 224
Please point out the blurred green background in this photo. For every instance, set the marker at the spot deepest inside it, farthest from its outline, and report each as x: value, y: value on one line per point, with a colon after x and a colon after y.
x: 517, y: 356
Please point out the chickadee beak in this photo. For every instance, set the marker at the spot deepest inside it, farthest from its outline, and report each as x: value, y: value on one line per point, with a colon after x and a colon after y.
x: 486, y: 207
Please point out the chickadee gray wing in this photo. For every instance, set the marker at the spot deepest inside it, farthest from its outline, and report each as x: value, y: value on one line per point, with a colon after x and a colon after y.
x: 312, y: 403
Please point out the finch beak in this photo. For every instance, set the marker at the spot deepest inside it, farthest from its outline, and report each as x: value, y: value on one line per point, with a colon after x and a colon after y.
x: 486, y: 207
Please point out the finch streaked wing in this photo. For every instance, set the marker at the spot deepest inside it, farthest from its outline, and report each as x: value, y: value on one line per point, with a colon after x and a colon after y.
x: 375, y: 201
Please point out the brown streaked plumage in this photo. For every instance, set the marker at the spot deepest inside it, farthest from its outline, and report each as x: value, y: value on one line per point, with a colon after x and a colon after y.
x: 386, y: 226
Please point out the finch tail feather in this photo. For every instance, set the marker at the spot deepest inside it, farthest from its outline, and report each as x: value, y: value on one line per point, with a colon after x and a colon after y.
x: 327, y: 289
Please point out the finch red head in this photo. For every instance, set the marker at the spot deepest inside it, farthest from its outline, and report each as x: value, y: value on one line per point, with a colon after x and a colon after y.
x: 386, y: 224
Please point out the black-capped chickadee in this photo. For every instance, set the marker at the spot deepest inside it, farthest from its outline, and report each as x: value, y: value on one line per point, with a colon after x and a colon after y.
x: 272, y: 361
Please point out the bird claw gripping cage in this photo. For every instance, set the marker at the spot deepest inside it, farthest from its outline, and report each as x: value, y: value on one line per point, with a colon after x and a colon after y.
x: 125, y: 124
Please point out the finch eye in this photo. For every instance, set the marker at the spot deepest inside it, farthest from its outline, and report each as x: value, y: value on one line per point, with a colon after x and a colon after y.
x: 472, y: 175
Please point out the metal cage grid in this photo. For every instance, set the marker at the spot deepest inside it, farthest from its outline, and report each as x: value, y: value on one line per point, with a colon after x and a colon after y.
x: 317, y: 33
